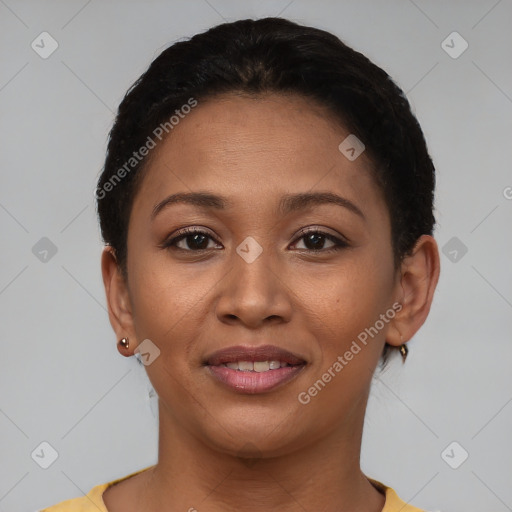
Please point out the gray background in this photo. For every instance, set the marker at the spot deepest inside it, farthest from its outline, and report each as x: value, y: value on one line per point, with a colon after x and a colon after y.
x: 61, y: 378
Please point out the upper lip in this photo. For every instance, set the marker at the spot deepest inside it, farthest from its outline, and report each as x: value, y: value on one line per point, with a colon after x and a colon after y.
x: 247, y: 353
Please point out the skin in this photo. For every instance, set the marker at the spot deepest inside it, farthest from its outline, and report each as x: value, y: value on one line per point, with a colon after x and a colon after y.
x: 220, y: 450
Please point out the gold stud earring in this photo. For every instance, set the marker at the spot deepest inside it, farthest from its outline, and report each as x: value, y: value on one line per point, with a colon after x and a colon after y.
x: 403, y: 348
x: 124, y: 343
x: 404, y: 351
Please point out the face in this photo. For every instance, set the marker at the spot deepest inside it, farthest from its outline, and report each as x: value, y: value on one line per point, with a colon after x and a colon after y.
x: 275, y: 239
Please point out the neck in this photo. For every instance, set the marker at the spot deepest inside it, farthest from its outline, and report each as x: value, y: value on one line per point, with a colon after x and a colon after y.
x: 322, y: 475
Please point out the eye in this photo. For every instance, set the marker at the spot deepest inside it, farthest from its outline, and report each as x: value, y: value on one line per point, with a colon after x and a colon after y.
x: 195, y: 240
x: 316, y: 240
x: 191, y: 239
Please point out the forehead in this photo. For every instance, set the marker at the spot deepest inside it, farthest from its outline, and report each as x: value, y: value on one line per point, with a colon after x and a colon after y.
x: 257, y: 147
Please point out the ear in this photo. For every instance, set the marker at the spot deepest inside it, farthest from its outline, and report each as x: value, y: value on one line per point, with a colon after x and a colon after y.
x: 417, y: 281
x: 118, y: 299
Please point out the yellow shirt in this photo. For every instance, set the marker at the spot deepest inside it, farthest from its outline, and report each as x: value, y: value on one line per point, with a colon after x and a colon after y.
x: 93, y: 501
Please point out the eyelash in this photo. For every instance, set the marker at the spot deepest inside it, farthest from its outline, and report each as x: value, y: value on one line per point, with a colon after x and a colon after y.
x: 183, y: 234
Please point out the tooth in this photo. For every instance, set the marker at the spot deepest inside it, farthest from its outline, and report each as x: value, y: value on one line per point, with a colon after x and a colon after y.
x: 274, y: 365
x: 233, y: 366
x: 261, y: 366
x: 245, y: 365
x: 284, y: 364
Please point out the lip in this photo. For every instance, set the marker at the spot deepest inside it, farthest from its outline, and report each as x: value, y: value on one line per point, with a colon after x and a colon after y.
x: 255, y: 354
x: 248, y: 382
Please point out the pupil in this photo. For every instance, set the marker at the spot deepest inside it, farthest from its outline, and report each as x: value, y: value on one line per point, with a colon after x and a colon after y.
x: 316, y: 241
x: 198, y: 241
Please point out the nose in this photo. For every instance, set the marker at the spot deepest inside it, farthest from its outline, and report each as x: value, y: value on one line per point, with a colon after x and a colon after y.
x: 253, y: 294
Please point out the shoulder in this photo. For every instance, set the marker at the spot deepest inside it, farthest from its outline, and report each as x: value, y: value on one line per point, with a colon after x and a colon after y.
x: 393, y: 502
x: 92, y: 501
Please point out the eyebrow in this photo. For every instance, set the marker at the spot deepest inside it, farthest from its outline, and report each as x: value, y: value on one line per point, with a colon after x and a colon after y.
x: 289, y: 203
x: 293, y: 202
x: 202, y: 199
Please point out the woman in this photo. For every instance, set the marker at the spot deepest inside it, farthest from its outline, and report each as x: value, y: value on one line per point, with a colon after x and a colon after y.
x: 267, y: 209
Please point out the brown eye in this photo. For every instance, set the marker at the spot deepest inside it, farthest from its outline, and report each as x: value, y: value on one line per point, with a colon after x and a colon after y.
x: 192, y: 240
x: 318, y: 241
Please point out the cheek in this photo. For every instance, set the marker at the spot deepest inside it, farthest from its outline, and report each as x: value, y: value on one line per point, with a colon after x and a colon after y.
x: 344, y: 301
x: 344, y: 312
x: 158, y: 306
x: 168, y: 299
x: 166, y: 309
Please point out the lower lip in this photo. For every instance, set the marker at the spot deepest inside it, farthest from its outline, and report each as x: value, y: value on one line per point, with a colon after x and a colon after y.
x: 252, y: 383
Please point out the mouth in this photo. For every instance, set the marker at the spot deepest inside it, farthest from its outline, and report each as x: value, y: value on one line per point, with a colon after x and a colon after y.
x: 254, y: 370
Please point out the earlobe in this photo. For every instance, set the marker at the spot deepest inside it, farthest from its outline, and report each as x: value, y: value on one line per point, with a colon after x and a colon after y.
x: 419, y: 275
x: 118, y: 299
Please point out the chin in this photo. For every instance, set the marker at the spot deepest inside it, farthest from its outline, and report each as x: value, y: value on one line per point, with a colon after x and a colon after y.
x: 254, y: 437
